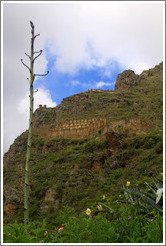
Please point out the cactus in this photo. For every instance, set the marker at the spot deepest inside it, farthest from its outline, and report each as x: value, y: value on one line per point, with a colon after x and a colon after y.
x: 154, y: 198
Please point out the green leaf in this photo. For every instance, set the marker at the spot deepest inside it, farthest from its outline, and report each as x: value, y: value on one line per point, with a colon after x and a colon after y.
x: 107, y: 207
x: 128, y: 196
x: 149, y: 200
x: 154, y: 192
x: 153, y: 204
x: 158, y: 183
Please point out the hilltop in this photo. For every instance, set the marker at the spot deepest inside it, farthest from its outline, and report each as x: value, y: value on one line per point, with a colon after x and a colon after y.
x: 87, y: 146
x: 132, y: 96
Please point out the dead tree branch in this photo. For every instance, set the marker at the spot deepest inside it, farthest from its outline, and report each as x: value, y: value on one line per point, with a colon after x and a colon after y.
x: 25, y: 65
x: 28, y: 55
x: 36, y: 35
x: 40, y: 52
x: 35, y: 91
x: 36, y: 52
x: 41, y: 74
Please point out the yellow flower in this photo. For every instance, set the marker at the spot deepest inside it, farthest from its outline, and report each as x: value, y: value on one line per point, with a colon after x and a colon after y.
x: 111, y: 211
x: 104, y: 197
x: 88, y: 211
x: 128, y: 183
x: 134, y: 203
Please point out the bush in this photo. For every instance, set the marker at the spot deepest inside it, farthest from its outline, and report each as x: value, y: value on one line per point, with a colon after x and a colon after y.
x: 136, y: 217
x: 94, y: 145
x: 146, y: 141
x: 20, y: 233
x: 124, y: 226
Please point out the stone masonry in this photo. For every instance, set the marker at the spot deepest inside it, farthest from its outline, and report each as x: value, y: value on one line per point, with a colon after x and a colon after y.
x: 72, y: 129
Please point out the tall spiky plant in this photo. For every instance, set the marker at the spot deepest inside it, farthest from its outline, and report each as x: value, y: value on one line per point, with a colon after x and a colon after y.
x: 32, y: 57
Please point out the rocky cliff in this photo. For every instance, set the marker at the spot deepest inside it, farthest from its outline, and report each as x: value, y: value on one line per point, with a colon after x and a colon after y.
x: 126, y: 80
x: 88, y: 146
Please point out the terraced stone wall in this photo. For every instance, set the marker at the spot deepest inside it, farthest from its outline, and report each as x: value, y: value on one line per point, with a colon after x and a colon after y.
x: 72, y: 128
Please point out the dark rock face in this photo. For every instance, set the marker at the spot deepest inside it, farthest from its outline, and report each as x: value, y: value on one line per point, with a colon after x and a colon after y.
x: 113, y: 140
x: 126, y: 80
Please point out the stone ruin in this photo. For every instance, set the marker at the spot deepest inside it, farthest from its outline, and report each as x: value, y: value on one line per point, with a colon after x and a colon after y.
x: 73, y: 129
x: 102, y: 91
x: 40, y: 106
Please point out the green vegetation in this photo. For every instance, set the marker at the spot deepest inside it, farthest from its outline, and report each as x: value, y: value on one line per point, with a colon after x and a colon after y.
x: 79, y: 229
x: 79, y: 171
x: 127, y: 222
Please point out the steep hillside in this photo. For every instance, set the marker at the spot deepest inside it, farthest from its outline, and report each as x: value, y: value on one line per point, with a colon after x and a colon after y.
x: 112, y: 136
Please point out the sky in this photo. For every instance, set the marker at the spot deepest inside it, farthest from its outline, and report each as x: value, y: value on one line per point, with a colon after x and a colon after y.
x: 85, y: 46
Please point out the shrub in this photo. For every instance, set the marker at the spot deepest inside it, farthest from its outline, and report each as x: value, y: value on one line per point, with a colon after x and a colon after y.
x: 94, y: 145
x: 146, y: 141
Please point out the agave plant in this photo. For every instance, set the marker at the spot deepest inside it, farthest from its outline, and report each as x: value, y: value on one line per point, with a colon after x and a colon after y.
x: 154, y: 197
x: 100, y: 209
x: 157, y: 190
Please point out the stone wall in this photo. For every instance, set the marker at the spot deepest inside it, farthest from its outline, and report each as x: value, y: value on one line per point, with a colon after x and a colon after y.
x: 72, y: 129
x: 132, y: 127
x: 102, y: 91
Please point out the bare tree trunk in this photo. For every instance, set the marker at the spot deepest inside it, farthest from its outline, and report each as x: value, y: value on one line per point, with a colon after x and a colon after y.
x: 29, y: 146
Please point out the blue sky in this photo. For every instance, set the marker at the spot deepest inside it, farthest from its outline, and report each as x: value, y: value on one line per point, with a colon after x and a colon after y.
x: 64, y: 84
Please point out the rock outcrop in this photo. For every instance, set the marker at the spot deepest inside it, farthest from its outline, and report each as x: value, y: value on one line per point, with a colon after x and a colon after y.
x: 126, y: 80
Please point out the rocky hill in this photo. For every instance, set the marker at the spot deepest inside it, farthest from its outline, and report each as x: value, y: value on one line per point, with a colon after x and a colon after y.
x: 87, y: 146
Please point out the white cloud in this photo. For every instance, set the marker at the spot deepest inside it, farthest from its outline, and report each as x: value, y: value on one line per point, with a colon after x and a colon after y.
x: 16, y: 117
x: 126, y: 32
x: 75, y: 82
x: 88, y: 34
x: 102, y: 83
x: 41, y: 96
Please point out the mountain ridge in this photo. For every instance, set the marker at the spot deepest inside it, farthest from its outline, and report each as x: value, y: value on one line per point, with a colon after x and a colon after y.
x: 79, y: 104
